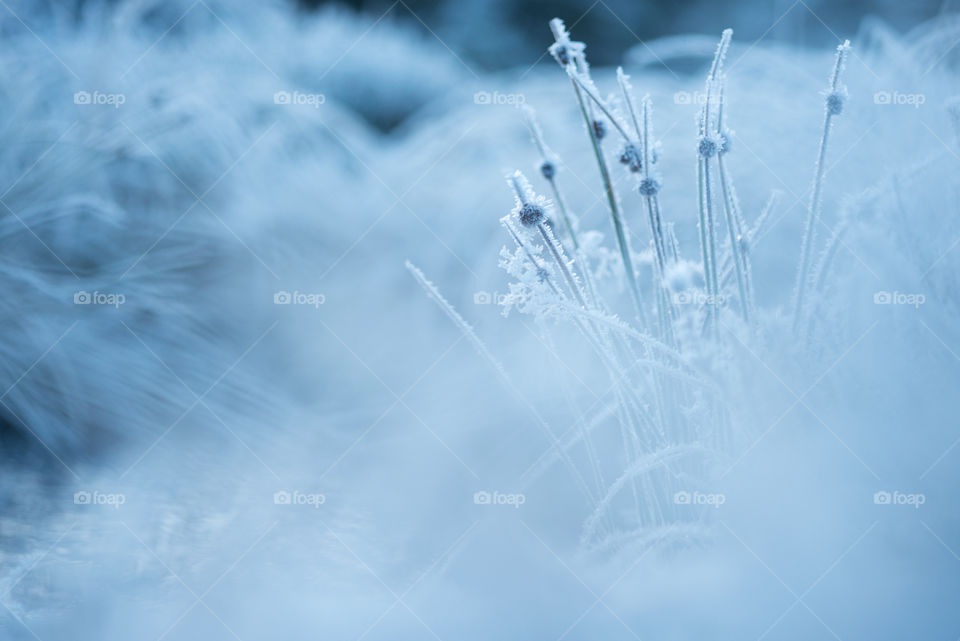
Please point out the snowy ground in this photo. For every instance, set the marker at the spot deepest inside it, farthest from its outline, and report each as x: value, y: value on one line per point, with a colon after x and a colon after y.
x: 247, y: 160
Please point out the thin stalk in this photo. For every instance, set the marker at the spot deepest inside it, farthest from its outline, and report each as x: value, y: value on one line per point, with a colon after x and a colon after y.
x: 618, y: 376
x: 547, y: 157
x: 834, y: 106
x: 618, y: 224
x: 731, y: 212
x: 586, y: 87
x: 552, y: 244
x: 705, y: 253
x: 459, y: 321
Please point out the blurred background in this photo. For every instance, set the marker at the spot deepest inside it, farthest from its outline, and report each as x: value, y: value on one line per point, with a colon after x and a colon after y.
x: 495, y: 34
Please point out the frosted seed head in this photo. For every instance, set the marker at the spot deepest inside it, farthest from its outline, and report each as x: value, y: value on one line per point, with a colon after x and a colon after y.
x: 561, y: 52
x: 530, y: 209
x: 564, y: 50
x: 835, y: 101
x: 649, y: 186
x: 599, y: 129
x: 708, y: 146
x: 631, y: 157
x: 548, y: 169
x: 531, y: 215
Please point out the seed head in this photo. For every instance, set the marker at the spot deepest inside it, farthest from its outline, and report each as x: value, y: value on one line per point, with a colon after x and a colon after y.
x: 835, y: 101
x: 649, y: 186
x: 708, y: 146
x: 599, y: 129
x: 632, y: 157
x: 548, y: 169
x: 531, y: 215
x: 564, y: 50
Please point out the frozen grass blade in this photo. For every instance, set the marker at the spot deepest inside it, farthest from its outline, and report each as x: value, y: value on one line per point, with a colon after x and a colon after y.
x: 708, y: 145
x: 731, y: 210
x: 481, y: 348
x: 834, y: 102
x: 548, y: 169
x: 576, y: 66
x: 459, y: 321
x: 533, y: 215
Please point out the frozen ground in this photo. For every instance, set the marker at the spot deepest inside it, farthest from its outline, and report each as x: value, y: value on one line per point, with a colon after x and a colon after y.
x: 183, y: 410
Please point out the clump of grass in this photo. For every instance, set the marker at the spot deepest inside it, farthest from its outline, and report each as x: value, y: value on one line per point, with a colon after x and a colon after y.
x: 671, y: 417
